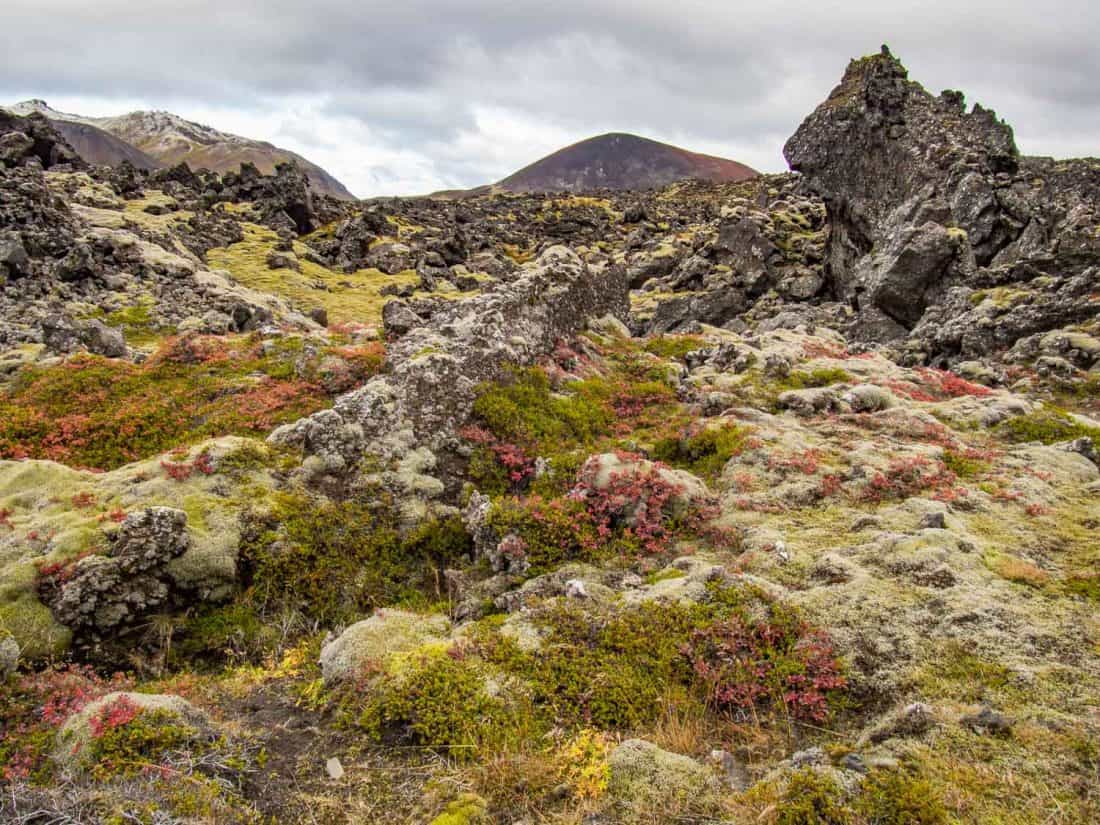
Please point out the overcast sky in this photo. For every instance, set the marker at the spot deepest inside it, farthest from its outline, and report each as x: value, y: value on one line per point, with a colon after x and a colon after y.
x: 410, y: 96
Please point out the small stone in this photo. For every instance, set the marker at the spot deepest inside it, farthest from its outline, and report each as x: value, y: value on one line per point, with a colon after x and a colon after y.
x: 854, y: 762
x: 988, y: 721
x: 934, y: 521
x: 9, y: 657
x: 334, y: 768
x: 575, y: 589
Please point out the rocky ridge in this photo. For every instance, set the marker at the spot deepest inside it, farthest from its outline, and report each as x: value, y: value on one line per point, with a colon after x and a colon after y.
x: 167, y: 140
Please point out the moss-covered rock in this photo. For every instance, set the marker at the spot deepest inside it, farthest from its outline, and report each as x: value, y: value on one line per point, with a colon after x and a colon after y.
x: 78, y: 737
x: 370, y: 642
x: 647, y: 781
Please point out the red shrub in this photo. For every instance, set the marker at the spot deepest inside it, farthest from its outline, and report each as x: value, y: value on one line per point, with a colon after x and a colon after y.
x: 635, y: 499
x: 511, y: 457
x: 122, y: 711
x: 816, y: 349
x: 183, y: 470
x: 911, y: 476
x: 778, y: 662
x: 34, y: 706
x: 949, y: 385
x: 83, y: 500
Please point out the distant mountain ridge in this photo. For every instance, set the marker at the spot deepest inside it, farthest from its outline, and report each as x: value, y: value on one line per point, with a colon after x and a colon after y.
x: 164, y: 139
x: 621, y: 161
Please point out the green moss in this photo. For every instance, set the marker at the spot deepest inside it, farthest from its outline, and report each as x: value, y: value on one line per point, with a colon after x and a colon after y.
x: 963, y: 466
x: 346, y: 296
x: 812, y: 798
x: 1049, y: 425
x: 822, y: 377
x: 468, y: 809
x: 668, y: 574
x: 33, y: 627
x: 957, y: 673
x: 673, y: 346
x: 900, y: 797
x: 704, y: 452
x: 1086, y: 585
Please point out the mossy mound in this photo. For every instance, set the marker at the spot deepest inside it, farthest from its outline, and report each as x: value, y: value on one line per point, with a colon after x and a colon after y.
x: 645, y: 780
x: 80, y: 741
x: 370, y: 643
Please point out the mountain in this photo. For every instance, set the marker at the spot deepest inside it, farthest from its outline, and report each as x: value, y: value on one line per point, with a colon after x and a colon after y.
x: 167, y: 139
x: 621, y: 161
x: 102, y: 148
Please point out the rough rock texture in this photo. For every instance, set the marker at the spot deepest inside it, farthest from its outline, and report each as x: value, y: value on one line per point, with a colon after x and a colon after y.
x: 436, y: 368
x: 928, y: 202
x: 33, y: 140
x: 370, y: 641
x: 9, y: 656
x: 104, y: 592
x: 61, y: 259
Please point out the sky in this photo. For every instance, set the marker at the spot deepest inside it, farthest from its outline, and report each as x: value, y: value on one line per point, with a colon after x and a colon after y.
x: 419, y: 95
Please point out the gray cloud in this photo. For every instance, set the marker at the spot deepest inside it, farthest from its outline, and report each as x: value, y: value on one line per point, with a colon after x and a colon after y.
x: 424, y: 93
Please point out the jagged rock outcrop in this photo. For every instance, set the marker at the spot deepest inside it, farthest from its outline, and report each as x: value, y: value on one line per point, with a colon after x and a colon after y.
x: 427, y: 396
x: 32, y: 140
x: 764, y: 247
x: 928, y: 202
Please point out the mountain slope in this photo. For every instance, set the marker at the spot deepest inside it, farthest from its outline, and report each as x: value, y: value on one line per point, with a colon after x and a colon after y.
x: 102, y: 148
x: 169, y: 139
x: 621, y: 161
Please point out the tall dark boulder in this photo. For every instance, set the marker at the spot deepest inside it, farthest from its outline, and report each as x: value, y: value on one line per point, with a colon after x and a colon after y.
x: 927, y: 201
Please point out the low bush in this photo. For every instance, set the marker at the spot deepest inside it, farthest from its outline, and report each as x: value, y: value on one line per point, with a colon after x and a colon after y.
x: 101, y: 413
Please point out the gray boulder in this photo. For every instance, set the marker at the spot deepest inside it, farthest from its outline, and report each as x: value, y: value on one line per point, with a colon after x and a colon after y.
x: 106, y: 592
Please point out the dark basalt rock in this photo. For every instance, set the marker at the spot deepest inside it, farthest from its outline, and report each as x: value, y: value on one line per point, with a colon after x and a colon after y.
x: 927, y: 202
x: 32, y: 140
x: 104, y: 594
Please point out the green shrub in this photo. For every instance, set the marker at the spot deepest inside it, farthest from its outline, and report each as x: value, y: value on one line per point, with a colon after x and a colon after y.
x: 437, y: 699
x: 611, y: 671
x: 523, y: 409
x: 334, y: 561
x: 703, y: 451
x: 612, y: 668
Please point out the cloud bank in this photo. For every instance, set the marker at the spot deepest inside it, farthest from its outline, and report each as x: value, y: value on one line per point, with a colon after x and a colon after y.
x: 412, y: 97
